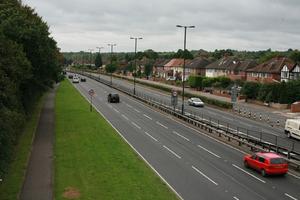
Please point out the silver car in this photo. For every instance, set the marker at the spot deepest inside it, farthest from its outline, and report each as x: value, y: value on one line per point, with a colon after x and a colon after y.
x: 195, y: 102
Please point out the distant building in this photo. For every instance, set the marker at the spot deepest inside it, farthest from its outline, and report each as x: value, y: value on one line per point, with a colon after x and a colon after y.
x: 197, y: 66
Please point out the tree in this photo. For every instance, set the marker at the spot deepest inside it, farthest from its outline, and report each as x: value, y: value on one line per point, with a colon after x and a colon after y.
x: 183, y: 54
x: 148, y: 69
x: 250, y: 90
x: 295, y: 56
x: 98, y: 60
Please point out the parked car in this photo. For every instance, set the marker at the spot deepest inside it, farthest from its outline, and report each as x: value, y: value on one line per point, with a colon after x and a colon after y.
x: 82, y: 79
x: 266, y: 163
x: 70, y: 76
x: 292, y: 128
x: 113, y: 98
x: 171, y: 78
x: 195, y: 102
x: 75, y: 80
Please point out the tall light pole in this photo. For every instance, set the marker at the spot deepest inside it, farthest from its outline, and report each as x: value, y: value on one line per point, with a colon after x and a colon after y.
x: 183, y: 73
x: 90, y: 57
x: 135, y: 47
x: 111, y: 54
x: 99, y: 48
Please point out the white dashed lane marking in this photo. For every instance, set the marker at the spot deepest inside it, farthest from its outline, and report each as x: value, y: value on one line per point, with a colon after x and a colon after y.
x: 134, y: 124
x: 197, y: 170
x: 147, y: 116
x: 175, y: 154
x: 151, y: 137
x: 162, y: 125
x: 209, y: 151
x: 181, y: 136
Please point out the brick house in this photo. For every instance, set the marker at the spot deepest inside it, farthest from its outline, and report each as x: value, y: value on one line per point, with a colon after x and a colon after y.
x: 159, y: 68
x: 197, y: 66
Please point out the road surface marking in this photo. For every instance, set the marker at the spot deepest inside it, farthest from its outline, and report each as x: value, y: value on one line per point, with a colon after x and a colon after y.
x: 125, y: 117
x: 248, y: 173
x: 209, y: 151
x: 181, y: 136
x: 161, y: 125
x: 151, y: 137
x: 236, y: 198
x: 137, y: 110
x: 116, y: 110
x: 134, y: 124
x: 197, y: 170
x: 172, y: 152
x: 128, y: 105
x: 286, y: 194
x: 147, y: 116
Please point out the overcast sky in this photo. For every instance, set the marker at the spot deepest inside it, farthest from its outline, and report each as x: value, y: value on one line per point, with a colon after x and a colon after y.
x: 220, y: 24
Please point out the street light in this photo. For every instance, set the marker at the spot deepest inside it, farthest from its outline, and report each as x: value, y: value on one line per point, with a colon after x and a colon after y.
x: 183, y: 73
x: 111, y: 53
x: 90, y: 57
x: 135, y: 47
x: 99, y: 48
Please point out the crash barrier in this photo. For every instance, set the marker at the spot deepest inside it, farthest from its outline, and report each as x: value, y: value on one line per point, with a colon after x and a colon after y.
x: 256, y: 141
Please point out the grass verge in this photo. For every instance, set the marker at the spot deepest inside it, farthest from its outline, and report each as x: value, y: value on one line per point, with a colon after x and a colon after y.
x: 91, y: 159
x: 11, y: 186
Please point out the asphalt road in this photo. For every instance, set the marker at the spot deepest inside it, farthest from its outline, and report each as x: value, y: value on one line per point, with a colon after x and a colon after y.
x: 193, y: 164
x: 260, y: 130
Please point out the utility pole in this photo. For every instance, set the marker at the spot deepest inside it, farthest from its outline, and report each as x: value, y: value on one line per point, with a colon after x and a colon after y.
x: 135, y: 58
x: 90, y: 57
x: 111, y: 54
x: 183, y: 73
x: 99, y: 48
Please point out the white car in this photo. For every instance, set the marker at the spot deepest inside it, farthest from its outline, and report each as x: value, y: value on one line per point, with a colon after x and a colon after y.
x: 194, y: 101
x: 75, y: 80
x: 292, y: 128
x: 171, y: 78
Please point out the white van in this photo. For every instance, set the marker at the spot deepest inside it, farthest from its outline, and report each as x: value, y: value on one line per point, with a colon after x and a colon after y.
x: 292, y: 128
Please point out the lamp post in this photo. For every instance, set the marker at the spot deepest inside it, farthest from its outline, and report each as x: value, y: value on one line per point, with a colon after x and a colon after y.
x: 183, y: 73
x: 135, y: 47
x: 99, y: 48
x: 90, y: 57
x: 111, y: 54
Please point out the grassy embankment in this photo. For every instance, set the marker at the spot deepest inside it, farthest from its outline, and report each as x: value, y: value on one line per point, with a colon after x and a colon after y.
x: 91, y: 159
x: 11, y: 186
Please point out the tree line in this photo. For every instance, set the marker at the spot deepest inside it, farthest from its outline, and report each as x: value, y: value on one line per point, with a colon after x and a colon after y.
x: 29, y: 64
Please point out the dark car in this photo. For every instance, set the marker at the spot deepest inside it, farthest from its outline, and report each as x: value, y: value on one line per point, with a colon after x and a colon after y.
x: 113, y: 98
x: 70, y: 76
x: 82, y: 79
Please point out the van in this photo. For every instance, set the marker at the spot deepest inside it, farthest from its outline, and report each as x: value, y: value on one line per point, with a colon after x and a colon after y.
x: 292, y: 128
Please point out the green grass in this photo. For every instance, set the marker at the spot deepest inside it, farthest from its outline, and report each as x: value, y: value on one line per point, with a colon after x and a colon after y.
x: 13, y: 181
x: 91, y: 157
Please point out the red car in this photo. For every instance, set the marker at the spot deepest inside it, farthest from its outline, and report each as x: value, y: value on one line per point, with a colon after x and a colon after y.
x: 266, y: 163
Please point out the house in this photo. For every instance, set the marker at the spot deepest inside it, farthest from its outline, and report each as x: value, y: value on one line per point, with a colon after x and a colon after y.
x: 295, y: 73
x: 197, y: 66
x: 158, y: 68
x: 238, y: 71
x: 274, y: 70
x: 174, y: 68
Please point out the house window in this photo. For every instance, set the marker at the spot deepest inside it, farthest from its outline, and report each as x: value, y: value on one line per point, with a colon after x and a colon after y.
x: 284, y: 75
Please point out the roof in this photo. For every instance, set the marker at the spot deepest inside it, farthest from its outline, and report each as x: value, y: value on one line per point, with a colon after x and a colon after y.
x: 160, y: 62
x: 198, y: 62
x: 273, y: 65
x: 176, y: 62
x: 232, y: 63
x: 269, y: 155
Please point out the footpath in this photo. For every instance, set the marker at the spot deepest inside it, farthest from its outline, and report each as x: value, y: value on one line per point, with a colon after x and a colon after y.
x: 38, y: 184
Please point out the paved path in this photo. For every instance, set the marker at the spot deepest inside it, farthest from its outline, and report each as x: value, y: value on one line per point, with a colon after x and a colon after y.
x: 38, y: 182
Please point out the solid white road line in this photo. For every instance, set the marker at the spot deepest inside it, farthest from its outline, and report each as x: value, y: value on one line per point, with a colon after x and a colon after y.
x: 161, y: 125
x: 147, y: 116
x: 209, y: 151
x: 134, y: 124
x: 172, y: 152
x: 181, y: 136
x: 197, y: 170
x: 151, y: 137
x: 125, y: 117
x: 290, y: 196
x: 137, y: 110
x: 248, y: 173
x: 236, y: 198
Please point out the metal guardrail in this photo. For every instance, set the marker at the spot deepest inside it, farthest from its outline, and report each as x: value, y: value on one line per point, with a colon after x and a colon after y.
x: 240, y: 135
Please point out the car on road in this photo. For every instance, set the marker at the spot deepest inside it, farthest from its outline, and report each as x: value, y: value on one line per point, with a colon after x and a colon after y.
x: 82, y: 79
x: 266, y: 163
x: 75, y: 80
x: 171, y: 78
x: 292, y: 128
x: 70, y: 76
x: 194, y: 101
x: 113, y: 98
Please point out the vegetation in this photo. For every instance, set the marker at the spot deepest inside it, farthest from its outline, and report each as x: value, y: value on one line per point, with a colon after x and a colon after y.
x: 29, y: 64
x: 12, y: 184
x: 93, y: 159
x: 98, y: 60
x: 200, y: 82
x: 284, y: 92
